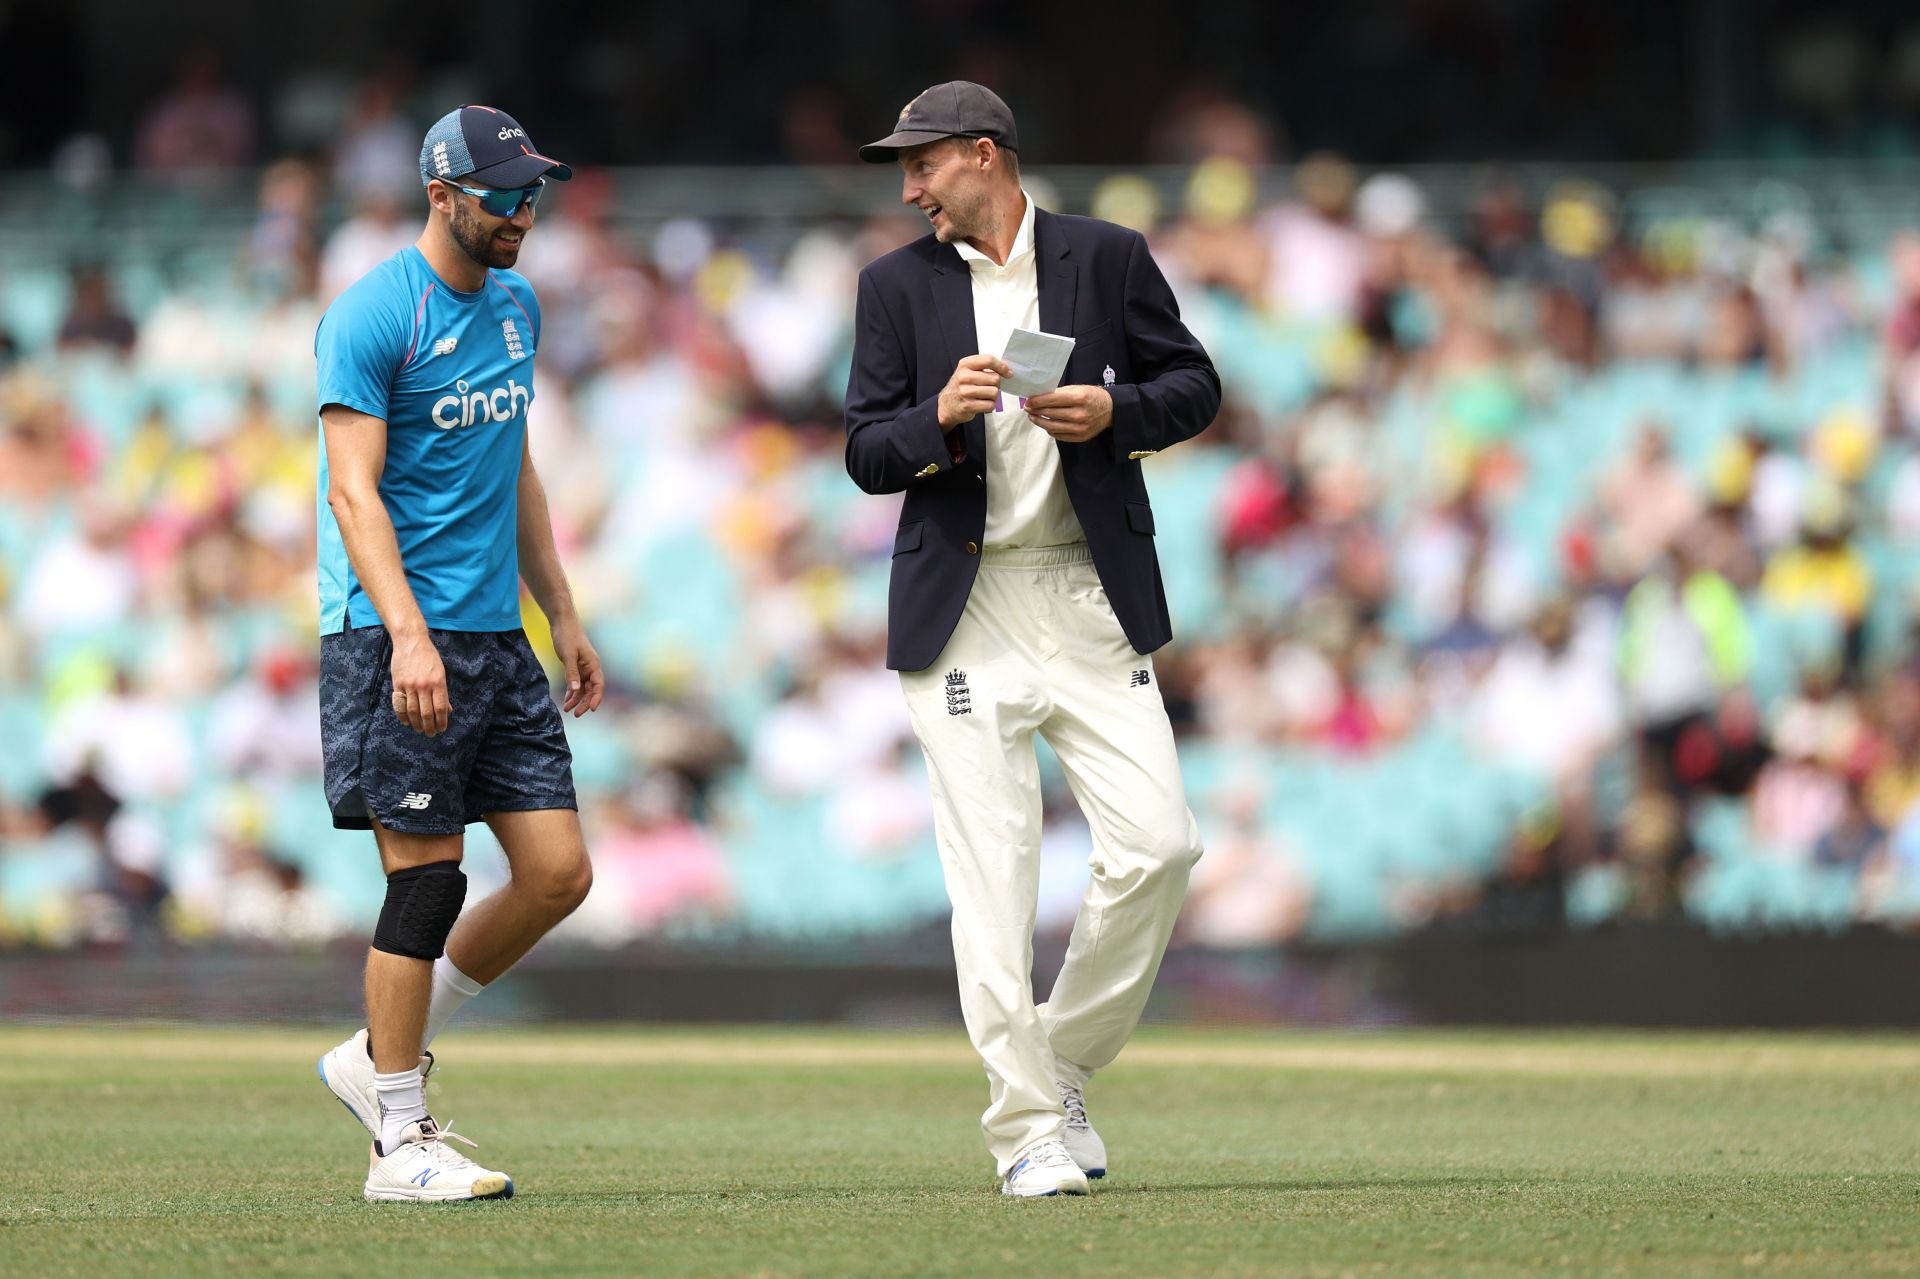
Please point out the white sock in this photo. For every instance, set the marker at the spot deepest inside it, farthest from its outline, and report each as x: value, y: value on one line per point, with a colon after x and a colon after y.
x: 451, y: 991
x: 403, y: 1100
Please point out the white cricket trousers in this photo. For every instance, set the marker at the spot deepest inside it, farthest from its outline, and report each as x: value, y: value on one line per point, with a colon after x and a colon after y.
x: 1039, y: 650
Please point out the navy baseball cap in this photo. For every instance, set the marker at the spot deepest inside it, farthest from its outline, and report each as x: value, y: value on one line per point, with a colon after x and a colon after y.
x: 958, y: 108
x: 487, y: 145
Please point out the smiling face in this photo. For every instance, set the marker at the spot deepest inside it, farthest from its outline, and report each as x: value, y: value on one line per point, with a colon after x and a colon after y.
x: 489, y: 241
x: 951, y: 182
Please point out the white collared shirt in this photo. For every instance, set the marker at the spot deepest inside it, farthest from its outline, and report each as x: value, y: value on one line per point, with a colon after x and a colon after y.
x: 1027, y: 503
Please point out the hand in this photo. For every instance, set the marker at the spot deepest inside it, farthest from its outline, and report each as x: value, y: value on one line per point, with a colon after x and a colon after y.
x: 1074, y: 414
x: 973, y: 389
x: 420, y: 686
x: 586, y: 681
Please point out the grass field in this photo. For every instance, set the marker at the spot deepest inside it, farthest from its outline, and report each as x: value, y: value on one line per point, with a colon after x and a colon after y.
x: 168, y: 1151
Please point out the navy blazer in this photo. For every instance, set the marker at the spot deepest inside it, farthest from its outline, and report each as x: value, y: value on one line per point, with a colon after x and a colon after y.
x: 914, y: 321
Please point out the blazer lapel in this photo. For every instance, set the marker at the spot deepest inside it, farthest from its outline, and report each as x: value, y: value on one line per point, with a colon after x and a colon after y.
x: 952, y: 288
x: 1055, y: 273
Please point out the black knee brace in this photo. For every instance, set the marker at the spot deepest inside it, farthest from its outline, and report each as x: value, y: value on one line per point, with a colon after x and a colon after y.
x: 422, y: 903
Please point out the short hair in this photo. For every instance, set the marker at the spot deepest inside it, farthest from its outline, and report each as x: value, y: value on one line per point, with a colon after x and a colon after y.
x: 965, y: 141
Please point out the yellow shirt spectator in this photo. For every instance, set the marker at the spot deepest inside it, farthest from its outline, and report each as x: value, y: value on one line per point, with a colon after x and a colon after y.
x: 1813, y: 578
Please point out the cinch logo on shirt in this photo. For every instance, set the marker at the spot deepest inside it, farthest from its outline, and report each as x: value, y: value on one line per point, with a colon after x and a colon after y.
x: 501, y: 404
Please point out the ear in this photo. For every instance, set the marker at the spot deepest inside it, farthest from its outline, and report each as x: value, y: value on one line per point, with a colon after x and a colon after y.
x: 984, y: 151
x: 440, y: 196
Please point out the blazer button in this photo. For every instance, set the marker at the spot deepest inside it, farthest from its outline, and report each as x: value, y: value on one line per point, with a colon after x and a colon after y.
x: 979, y: 477
x: 973, y: 548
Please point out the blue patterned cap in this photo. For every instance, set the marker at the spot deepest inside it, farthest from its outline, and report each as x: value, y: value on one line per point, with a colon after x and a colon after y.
x: 487, y: 144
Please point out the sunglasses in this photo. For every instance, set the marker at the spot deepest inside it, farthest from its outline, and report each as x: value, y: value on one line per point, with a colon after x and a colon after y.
x: 503, y: 202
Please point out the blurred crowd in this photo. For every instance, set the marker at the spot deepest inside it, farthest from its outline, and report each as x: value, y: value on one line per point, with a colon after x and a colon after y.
x: 1585, y: 528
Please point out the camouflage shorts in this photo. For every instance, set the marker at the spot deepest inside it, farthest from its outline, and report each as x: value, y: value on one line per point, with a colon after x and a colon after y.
x: 505, y: 749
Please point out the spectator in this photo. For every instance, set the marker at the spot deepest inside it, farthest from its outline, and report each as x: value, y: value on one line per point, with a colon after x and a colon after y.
x: 1684, y: 643
x: 200, y: 123
x: 1647, y: 502
x: 1824, y: 575
x: 377, y: 230
x: 94, y: 318
x: 1855, y: 841
x: 1558, y: 668
x: 1319, y: 261
x: 377, y: 148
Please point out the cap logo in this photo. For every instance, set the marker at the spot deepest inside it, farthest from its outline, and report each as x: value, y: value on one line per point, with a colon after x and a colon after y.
x: 512, y: 133
x: 441, y: 164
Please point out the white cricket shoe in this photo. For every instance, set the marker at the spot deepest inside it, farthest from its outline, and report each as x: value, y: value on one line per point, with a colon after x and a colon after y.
x: 1081, y: 1141
x: 424, y: 1168
x: 1045, y: 1168
x: 347, y: 1071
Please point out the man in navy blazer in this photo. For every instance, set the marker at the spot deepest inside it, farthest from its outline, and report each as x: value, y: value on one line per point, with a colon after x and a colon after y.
x: 1026, y: 595
x: 914, y: 326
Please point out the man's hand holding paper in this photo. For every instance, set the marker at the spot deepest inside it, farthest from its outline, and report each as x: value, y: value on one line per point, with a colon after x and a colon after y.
x: 1070, y: 413
x: 1037, y: 360
x: 1074, y: 414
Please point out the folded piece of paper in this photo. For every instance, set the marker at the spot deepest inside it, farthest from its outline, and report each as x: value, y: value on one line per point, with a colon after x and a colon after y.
x: 1037, y: 359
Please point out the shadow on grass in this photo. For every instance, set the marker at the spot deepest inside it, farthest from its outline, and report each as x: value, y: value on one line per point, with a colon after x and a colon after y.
x: 1285, y: 1185
x: 1102, y: 1190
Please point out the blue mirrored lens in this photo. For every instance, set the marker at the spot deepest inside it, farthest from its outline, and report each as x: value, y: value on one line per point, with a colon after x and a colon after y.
x: 506, y: 203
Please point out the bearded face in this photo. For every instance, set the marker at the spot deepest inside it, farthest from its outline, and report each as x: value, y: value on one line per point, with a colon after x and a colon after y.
x: 489, y: 241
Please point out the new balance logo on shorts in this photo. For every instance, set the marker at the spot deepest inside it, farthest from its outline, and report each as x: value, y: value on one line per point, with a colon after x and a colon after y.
x: 416, y: 799
x: 1140, y: 680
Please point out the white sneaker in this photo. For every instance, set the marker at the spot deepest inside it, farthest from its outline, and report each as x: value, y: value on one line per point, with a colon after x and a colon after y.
x: 347, y: 1071
x: 1045, y: 1168
x: 1081, y: 1141
x: 425, y: 1168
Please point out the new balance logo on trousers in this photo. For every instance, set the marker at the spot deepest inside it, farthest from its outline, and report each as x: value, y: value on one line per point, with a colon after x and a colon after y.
x: 416, y: 800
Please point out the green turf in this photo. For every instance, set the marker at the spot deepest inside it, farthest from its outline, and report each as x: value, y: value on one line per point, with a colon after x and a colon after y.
x: 189, y: 1151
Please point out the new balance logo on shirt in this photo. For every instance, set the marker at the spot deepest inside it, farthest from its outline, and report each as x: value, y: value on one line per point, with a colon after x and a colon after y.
x: 417, y: 799
x: 445, y: 346
x: 1140, y: 680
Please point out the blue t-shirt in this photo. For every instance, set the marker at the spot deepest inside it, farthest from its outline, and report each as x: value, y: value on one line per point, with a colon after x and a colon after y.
x: 451, y: 374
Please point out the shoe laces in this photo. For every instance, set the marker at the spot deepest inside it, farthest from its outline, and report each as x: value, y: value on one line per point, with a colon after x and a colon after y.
x: 1074, y: 1102
x: 1050, y: 1154
x: 435, y: 1138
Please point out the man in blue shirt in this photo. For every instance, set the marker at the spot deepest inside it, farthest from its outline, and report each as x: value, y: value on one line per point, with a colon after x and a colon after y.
x: 434, y: 711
